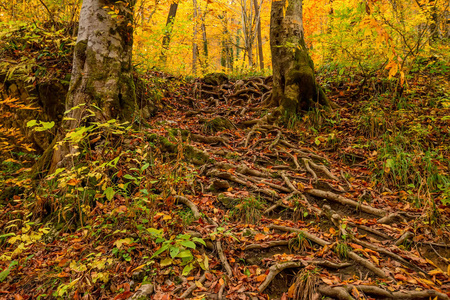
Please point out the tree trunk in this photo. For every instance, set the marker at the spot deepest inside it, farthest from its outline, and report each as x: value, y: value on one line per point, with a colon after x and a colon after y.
x: 101, y: 86
x: 294, y: 83
x: 204, y: 61
x: 194, y: 40
x: 168, y: 34
x: 258, y: 32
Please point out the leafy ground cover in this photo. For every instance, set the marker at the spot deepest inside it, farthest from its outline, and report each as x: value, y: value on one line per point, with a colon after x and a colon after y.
x: 211, y: 198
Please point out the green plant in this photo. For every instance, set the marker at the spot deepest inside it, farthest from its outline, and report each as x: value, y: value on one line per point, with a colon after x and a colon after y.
x: 341, y: 249
x: 299, y: 243
x: 4, y: 274
x: 179, y: 246
x: 248, y: 210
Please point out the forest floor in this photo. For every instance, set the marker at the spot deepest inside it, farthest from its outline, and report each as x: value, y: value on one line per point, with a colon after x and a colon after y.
x: 212, y: 199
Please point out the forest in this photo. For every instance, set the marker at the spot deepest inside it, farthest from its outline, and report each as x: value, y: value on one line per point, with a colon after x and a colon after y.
x: 225, y: 149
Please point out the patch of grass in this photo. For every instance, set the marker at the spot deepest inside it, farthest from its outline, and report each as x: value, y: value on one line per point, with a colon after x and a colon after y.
x: 372, y: 121
x: 248, y: 210
x: 299, y: 243
x: 417, y: 171
x: 342, y: 249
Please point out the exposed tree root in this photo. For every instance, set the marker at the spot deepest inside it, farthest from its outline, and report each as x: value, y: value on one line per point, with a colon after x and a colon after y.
x: 193, y: 287
x: 264, y: 161
x: 189, y: 204
x: 346, y: 201
x: 223, y: 259
x: 266, y: 245
x: 344, y: 293
x: 275, y: 269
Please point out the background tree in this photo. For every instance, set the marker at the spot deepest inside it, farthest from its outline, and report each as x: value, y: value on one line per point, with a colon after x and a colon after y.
x: 169, y: 25
x: 294, y: 84
x: 101, y: 86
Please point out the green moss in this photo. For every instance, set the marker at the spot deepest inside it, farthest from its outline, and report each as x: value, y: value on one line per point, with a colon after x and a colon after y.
x: 217, y: 124
x: 127, y: 99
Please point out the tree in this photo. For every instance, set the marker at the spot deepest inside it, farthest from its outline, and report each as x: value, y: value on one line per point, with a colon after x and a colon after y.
x: 294, y: 84
x: 258, y: 32
x: 101, y: 87
x: 167, y: 35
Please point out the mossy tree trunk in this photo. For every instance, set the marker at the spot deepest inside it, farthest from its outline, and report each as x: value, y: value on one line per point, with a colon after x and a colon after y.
x: 294, y: 84
x: 101, y: 86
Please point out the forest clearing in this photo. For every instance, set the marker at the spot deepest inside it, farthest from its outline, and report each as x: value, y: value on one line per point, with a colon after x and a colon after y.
x: 242, y: 149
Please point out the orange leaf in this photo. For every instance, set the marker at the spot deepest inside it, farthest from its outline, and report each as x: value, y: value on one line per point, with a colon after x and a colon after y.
x: 400, y: 277
x: 261, y: 278
x: 327, y: 281
x: 291, y: 291
x: 259, y: 236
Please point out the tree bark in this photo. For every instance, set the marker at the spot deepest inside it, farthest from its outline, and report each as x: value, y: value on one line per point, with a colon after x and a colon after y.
x: 258, y: 32
x: 294, y: 84
x: 101, y: 86
x: 194, y: 39
x: 168, y: 34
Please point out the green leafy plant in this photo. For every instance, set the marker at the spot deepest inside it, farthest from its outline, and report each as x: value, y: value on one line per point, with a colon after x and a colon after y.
x: 178, y: 247
x: 37, y: 125
x: 4, y: 274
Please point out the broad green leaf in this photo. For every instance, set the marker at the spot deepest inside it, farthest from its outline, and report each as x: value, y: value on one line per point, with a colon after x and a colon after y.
x: 163, y: 248
x: 31, y: 123
x: 199, y: 240
x: 185, y: 254
x: 166, y: 262
x: 174, y: 251
x: 187, y: 269
x: 109, y: 193
x: 128, y: 176
x: 154, y: 231
x: 188, y: 244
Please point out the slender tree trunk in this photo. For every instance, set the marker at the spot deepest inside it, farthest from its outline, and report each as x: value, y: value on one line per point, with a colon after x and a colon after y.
x: 226, y: 59
x: 168, y: 33
x: 294, y: 84
x: 194, y: 40
x: 204, y: 62
x: 258, y: 32
x: 101, y: 86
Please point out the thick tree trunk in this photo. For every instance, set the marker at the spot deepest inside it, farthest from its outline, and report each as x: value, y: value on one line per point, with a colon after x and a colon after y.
x: 294, y: 83
x: 101, y: 86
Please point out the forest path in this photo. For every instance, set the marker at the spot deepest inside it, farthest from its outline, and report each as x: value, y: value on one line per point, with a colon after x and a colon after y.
x: 284, y: 219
